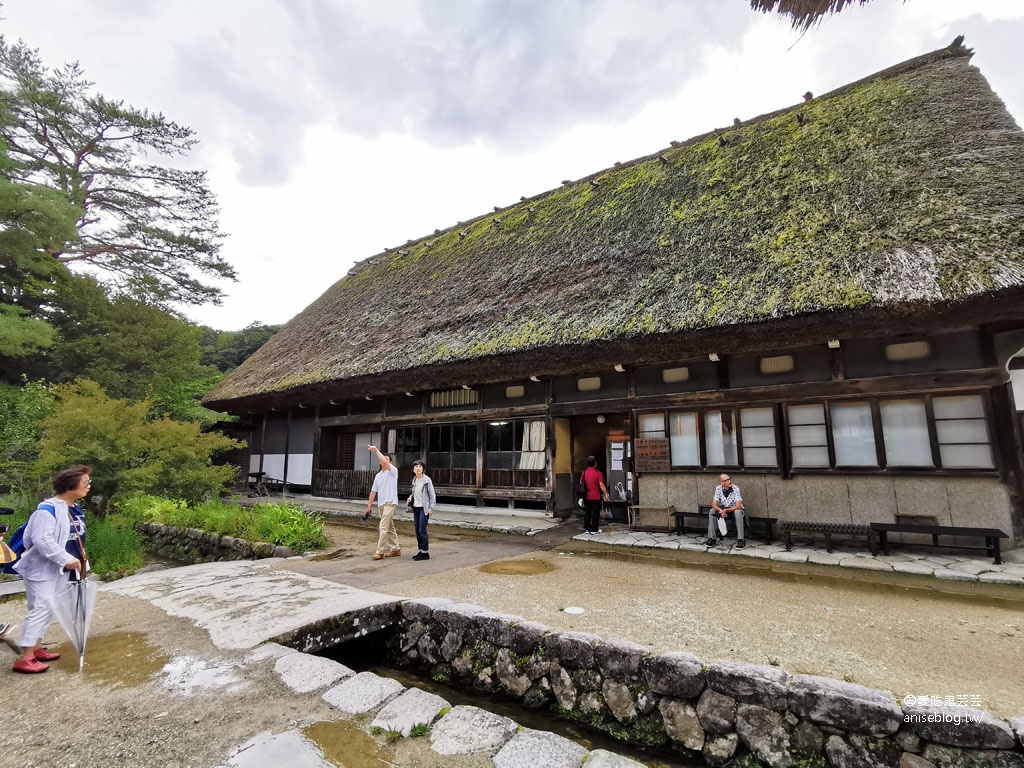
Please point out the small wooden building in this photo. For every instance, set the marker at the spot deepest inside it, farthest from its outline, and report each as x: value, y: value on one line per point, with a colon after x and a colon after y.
x: 826, y: 302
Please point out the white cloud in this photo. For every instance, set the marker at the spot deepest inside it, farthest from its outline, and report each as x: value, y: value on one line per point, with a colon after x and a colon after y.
x: 334, y: 129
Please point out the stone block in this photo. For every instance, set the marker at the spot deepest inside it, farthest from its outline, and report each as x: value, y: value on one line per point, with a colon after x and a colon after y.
x: 681, y: 723
x: 785, y: 498
x: 619, y: 701
x: 942, y: 756
x: 602, y: 758
x: 827, y: 500
x: 509, y: 675
x: 470, y: 730
x: 539, y: 749
x: 620, y: 660
x: 563, y: 688
x: 759, y: 684
x: 678, y: 674
x: 304, y: 673
x: 365, y: 692
x: 654, y: 489
x: 412, y: 708
x: 571, y: 649
x: 1017, y: 724
x: 960, y: 726
x: 457, y: 616
x: 861, y: 752
x: 764, y: 732
x: 450, y: 645
x: 496, y: 628
x: 872, y: 499
x: 716, y: 711
x: 807, y: 739
x: 423, y: 608
x: 718, y: 750
x: 526, y: 637
x: 979, y: 502
x: 681, y: 493
x: 910, y: 760
x: 849, y: 707
x: 755, y: 494
x: 922, y: 496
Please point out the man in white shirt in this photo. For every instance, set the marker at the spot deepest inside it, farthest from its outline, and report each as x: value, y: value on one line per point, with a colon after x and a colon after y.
x: 727, y: 501
x: 385, y: 492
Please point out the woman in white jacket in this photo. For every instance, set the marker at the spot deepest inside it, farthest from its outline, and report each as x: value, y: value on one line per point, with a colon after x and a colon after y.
x: 54, y: 531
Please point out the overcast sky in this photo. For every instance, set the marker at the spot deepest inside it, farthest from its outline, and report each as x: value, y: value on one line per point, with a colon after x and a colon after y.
x: 332, y: 129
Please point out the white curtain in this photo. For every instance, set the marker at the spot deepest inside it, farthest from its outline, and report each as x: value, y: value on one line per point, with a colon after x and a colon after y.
x: 683, y: 439
x: 721, y: 445
x: 532, y: 455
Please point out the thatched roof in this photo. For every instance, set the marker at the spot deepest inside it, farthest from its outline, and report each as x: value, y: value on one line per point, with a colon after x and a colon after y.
x: 804, y: 13
x: 879, y: 206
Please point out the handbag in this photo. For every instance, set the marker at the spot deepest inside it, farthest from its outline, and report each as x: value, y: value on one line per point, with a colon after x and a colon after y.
x: 583, y: 483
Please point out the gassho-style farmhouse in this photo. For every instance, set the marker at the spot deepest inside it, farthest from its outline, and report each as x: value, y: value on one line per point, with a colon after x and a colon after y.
x: 826, y: 302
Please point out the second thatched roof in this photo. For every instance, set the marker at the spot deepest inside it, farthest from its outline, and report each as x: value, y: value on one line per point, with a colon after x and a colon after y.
x: 896, y: 196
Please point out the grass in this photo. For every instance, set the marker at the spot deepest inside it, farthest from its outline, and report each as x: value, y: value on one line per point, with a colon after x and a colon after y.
x: 420, y: 729
x: 284, y: 524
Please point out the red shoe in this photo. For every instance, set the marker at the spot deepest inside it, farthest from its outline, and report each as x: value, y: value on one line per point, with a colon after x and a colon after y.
x: 44, y: 655
x: 29, y: 667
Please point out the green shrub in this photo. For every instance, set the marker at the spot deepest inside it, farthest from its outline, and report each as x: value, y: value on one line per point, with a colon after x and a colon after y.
x: 285, y: 524
x: 114, y: 547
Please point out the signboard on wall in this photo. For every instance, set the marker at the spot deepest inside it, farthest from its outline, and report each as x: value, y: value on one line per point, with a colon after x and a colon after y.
x: 652, y: 454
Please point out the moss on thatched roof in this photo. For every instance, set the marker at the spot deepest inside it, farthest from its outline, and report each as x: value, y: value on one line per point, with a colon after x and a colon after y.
x: 896, y: 193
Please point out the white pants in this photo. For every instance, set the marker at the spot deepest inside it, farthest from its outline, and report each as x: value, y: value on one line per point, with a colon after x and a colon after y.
x: 38, y: 595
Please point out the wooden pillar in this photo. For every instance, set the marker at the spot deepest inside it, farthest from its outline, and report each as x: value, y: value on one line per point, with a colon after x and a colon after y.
x: 1007, y: 445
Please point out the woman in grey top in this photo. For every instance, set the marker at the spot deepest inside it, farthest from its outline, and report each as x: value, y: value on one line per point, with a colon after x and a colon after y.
x: 423, y: 500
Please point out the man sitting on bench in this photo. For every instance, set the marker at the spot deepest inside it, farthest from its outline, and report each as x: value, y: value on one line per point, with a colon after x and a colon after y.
x: 727, y: 501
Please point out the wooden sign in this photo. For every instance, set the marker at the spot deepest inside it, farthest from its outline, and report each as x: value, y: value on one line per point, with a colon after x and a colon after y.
x: 652, y: 454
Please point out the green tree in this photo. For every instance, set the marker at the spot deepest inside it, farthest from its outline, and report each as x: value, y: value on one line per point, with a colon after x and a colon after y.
x: 33, y: 219
x: 129, y: 450
x: 22, y: 412
x: 152, y: 229
x: 226, y: 350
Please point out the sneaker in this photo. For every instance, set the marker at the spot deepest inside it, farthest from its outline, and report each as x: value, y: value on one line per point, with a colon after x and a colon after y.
x: 741, y: 544
x: 710, y: 543
x: 421, y: 556
x: 394, y: 553
x: 378, y: 556
x: 29, y: 667
x: 44, y: 655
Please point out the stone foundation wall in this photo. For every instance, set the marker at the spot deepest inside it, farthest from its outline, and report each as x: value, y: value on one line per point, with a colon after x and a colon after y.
x: 713, y: 712
x: 190, y: 545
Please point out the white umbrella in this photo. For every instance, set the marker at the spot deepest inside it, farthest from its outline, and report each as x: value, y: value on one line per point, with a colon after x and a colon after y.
x: 72, y: 606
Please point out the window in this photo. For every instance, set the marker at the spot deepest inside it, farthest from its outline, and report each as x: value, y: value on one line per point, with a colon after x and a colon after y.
x: 911, y: 350
x: 453, y: 397
x: 451, y: 446
x: 651, y: 425
x: 515, y: 445
x: 780, y: 364
x: 514, y: 392
x: 962, y: 432
x: 905, y: 433
x: 683, y: 442
x: 719, y: 438
x: 808, y: 438
x: 757, y: 433
x: 589, y: 384
x: 408, y: 445
x: 675, y: 375
x: 853, y: 435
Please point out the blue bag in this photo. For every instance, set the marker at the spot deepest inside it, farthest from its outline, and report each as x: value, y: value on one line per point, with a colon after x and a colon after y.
x: 17, y: 545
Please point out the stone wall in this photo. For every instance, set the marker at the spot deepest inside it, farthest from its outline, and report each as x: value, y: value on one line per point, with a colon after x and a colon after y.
x: 713, y: 712
x: 190, y: 545
x: 967, y: 501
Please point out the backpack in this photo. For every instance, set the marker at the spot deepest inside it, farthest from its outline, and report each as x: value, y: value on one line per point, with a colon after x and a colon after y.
x: 17, y: 545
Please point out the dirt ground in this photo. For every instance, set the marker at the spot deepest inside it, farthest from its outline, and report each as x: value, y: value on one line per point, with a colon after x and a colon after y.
x: 900, y: 633
x: 904, y: 635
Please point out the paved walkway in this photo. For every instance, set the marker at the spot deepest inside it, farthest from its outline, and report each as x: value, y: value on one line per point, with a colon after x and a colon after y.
x: 923, y: 562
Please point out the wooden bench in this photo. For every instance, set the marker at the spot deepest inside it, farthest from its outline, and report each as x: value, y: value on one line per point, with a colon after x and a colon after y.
x: 651, y: 519
x: 761, y: 525
x: 828, y: 530
x: 990, y: 535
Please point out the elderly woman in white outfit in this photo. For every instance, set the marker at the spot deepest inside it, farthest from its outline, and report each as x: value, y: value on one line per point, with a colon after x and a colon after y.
x: 54, y: 530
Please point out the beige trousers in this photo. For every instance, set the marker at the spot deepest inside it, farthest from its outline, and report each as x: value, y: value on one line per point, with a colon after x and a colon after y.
x: 388, y: 540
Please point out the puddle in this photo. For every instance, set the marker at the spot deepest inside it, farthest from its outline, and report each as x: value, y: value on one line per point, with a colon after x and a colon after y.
x: 120, y: 658
x: 345, y: 744
x: 188, y: 674
x: 904, y: 585
x: 529, y: 567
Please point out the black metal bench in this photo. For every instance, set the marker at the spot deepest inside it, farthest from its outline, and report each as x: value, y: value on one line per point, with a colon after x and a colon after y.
x: 990, y: 535
x: 757, y: 525
x: 829, y: 530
